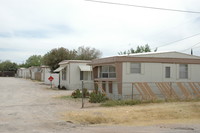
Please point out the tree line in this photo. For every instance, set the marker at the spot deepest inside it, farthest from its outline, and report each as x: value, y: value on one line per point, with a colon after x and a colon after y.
x: 8, y: 66
x: 139, y: 49
x: 53, y: 57
x: 56, y: 55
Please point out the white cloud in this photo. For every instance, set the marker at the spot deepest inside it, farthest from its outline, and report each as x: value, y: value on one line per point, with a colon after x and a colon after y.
x: 37, y: 26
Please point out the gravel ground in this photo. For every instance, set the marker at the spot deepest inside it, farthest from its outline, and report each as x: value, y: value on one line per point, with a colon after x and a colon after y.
x: 31, y: 107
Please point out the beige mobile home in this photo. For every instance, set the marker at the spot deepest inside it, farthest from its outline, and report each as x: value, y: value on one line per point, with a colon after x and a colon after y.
x: 120, y: 76
x: 73, y: 72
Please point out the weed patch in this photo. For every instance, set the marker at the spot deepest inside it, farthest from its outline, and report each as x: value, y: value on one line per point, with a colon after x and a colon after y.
x: 112, y: 103
x: 65, y: 97
x: 144, y: 114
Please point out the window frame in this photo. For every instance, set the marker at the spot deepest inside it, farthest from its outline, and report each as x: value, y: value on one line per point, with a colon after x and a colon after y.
x: 135, y: 70
x: 167, y: 72
x: 183, y: 71
x: 84, y: 75
x: 64, y: 73
x: 108, y: 71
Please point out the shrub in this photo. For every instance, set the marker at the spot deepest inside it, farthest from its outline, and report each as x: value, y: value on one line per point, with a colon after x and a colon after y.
x: 97, y: 97
x: 85, y: 93
x: 77, y: 93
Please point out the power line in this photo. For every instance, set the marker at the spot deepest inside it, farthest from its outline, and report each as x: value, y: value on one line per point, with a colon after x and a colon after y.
x: 190, y: 47
x: 178, y: 40
x: 140, y: 6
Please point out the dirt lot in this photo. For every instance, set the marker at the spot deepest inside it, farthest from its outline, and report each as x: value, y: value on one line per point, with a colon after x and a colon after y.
x: 27, y: 106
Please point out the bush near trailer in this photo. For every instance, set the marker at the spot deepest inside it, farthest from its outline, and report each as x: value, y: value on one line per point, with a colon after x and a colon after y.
x: 78, y: 94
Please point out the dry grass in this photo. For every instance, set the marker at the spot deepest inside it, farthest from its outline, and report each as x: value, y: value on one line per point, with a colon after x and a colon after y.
x: 147, y: 114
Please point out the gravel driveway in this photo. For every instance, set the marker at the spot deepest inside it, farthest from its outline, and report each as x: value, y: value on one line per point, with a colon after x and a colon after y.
x: 29, y: 107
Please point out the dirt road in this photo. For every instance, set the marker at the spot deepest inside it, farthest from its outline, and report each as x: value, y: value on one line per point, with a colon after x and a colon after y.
x: 29, y: 107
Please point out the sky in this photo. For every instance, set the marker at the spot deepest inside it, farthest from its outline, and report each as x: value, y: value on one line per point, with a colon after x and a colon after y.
x: 34, y: 27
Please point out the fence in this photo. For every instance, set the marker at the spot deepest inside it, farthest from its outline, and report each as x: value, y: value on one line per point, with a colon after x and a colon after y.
x: 38, y: 76
x: 7, y: 74
x: 167, y: 90
x: 149, y: 90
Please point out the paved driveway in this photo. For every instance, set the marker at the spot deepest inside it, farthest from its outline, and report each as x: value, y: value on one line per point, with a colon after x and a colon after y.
x: 29, y: 107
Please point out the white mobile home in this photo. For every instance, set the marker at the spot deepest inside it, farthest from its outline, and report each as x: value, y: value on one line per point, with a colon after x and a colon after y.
x: 45, y: 71
x: 23, y: 73
x: 20, y: 72
x: 33, y: 71
x: 73, y: 72
x: 115, y: 75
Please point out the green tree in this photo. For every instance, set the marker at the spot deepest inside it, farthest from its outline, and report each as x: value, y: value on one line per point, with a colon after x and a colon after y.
x: 57, y: 55
x: 8, y: 66
x: 88, y: 53
x: 139, y: 49
x: 23, y: 65
x: 34, y: 60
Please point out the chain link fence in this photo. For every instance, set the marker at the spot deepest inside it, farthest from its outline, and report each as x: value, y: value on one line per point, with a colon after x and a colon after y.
x: 146, y: 90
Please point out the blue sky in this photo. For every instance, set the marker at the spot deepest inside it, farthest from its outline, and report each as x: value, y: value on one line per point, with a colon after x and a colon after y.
x: 34, y: 27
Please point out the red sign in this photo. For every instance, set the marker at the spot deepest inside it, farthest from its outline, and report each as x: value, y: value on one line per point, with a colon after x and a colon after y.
x: 50, y: 78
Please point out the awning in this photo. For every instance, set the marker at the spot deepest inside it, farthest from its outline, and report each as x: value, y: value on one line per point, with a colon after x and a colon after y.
x: 60, y: 68
x: 85, y: 68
